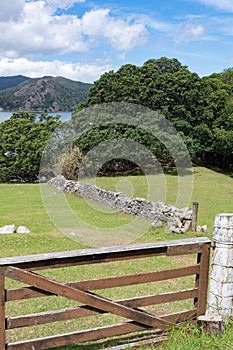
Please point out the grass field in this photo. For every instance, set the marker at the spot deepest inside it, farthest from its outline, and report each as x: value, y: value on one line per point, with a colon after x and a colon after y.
x: 21, y: 204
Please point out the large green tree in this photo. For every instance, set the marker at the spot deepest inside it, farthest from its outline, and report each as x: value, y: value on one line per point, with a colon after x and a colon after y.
x: 163, y: 85
x: 23, y: 138
x: 199, y: 108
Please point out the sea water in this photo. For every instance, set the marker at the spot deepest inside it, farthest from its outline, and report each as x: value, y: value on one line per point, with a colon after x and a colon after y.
x: 64, y: 115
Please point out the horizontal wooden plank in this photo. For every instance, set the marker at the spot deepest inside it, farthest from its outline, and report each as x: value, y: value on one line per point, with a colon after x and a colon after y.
x: 141, y: 343
x: 94, y: 334
x: 105, y: 254
x: 87, y: 311
x: 109, y: 282
x: 84, y: 297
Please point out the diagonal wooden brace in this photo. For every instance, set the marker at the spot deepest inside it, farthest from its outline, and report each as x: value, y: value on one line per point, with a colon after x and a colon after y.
x: 86, y: 297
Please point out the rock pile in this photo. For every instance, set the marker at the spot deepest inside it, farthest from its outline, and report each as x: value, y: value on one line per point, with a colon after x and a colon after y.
x: 177, y: 220
x: 12, y: 229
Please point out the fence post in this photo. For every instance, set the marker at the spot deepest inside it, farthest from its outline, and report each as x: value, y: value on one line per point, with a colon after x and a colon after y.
x: 194, y: 216
x: 221, y: 279
x: 203, y: 258
x: 2, y: 309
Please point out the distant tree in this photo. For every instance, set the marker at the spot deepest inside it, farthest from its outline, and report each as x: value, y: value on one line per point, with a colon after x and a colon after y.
x: 23, y: 137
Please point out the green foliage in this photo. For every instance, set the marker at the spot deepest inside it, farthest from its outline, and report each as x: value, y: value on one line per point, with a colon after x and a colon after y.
x: 201, y: 109
x: 23, y: 139
x: 134, y: 136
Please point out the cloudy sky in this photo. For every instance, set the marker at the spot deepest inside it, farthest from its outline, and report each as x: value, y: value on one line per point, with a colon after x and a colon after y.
x: 82, y: 39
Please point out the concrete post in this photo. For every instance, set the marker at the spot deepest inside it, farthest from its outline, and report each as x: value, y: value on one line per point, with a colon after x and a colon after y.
x: 221, y: 279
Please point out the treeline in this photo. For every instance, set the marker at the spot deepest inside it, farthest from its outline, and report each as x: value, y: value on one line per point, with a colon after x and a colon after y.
x: 199, y: 109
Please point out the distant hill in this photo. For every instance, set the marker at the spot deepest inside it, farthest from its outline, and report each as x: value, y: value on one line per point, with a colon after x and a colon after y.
x: 9, y: 82
x: 46, y: 94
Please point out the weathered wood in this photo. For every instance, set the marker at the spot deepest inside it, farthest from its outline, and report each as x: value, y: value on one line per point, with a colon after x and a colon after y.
x: 87, y: 311
x: 194, y: 216
x: 94, y: 334
x: 100, y: 255
x: 84, y: 297
x: 140, y: 343
x: 2, y: 309
x: 202, y: 279
x: 108, y: 282
x: 93, y: 304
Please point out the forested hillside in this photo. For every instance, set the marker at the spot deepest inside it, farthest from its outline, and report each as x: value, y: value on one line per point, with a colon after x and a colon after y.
x: 47, y: 94
x: 12, y: 81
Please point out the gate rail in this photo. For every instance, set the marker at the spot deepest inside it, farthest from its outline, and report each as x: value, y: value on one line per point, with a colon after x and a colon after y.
x: 22, y: 269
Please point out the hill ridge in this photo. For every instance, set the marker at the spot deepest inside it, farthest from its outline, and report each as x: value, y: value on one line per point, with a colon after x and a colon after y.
x: 42, y: 94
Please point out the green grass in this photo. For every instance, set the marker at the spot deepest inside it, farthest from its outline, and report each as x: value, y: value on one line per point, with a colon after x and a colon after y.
x: 21, y: 204
x: 190, y: 336
x: 213, y: 191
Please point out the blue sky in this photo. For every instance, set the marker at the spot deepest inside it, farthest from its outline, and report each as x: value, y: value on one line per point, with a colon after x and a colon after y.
x: 83, y: 39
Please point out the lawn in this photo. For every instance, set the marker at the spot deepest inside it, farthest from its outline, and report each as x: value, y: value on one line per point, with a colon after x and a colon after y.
x: 21, y: 204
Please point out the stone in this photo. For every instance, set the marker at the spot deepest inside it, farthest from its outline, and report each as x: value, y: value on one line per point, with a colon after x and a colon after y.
x: 223, y: 228
x: 178, y: 220
x: 8, y: 229
x: 157, y: 223
x: 23, y: 229
x: 212, y: 323
x: 221, y: 278
x: 202, y: 228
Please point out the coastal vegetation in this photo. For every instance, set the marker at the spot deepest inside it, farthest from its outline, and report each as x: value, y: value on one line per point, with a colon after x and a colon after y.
x: 199, y: 109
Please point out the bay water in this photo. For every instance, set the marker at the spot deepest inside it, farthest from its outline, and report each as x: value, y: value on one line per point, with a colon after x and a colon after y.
x: 64, y: 115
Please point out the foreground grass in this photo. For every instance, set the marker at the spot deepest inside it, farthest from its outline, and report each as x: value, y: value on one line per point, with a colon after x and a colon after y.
x: 190, y: 337
x: 21, y: 204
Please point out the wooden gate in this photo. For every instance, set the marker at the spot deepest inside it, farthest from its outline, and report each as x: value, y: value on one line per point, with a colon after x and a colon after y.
x: 22, y: 269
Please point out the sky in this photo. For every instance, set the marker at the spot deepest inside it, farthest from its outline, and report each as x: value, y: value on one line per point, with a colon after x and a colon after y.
x: 82, y: 39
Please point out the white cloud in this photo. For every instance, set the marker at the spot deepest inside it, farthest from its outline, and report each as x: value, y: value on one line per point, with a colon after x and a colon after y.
x: 122, y: 34
x: 160, y: 26
x: 78, y: 72
x: 62, y: 4
x: 189, y: 32
x: 38, y: 30
x: 189, y: 28
x: 226, y: 5
x: 11, y: 9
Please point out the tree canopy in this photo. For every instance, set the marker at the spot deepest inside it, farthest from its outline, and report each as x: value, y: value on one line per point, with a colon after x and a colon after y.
x: 201, y: 109
x: 23, y: 138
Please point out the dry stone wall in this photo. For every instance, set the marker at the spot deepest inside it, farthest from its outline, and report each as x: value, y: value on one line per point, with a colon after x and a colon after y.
x: 177, y: 220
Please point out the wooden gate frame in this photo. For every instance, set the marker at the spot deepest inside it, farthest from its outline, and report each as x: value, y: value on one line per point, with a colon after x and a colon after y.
x: 22, y: 269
